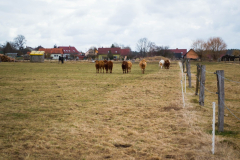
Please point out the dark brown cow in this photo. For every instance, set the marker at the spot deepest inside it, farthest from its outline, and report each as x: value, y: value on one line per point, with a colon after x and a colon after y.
x: 110, y: 66
x: 125, y: 66
x: 166, y: 64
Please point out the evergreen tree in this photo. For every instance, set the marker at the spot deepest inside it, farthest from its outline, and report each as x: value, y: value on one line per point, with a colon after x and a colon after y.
x: 110, y: 55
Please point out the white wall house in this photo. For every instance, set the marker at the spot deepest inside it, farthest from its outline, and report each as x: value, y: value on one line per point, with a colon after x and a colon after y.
x: 56, y: 56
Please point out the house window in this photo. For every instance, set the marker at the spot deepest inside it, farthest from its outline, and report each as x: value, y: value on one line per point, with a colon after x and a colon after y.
x: 115, y: 51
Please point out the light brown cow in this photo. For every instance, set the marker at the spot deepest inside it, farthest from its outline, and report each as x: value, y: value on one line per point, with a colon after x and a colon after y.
x: 97, y: 66
x: 143, y: 65
x: 129, y: 66
x: 101, y: 66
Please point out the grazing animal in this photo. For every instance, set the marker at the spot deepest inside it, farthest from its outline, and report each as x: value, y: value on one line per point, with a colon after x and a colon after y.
x: 161, y: 63
x: 105, y: 66
x: 166, y: 64
x: 143, y: 65
x: 125, y: 66
x: 110, y: 66
x: 129, y: 65
x: 101, y: 66
x: 60, y: 59
x: 97, y: 66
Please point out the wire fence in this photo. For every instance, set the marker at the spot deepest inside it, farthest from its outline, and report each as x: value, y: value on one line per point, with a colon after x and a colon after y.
x: 211, y: 92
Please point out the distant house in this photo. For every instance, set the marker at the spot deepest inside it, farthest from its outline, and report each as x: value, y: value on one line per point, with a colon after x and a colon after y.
x: 31, y: 48
x: 125, y: 52
x: 54, y: 53
x: 91, y: 52
x: 191, y: 54
x: 12, y: 55
x: 178, y: 53
x: 70, y: 51
x: 116, y: 52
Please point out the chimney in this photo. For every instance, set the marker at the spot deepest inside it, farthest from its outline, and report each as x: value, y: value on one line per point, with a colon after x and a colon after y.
x: 176, y: 48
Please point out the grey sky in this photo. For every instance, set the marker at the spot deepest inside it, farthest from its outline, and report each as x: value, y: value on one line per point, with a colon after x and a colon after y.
x: 86, y: 23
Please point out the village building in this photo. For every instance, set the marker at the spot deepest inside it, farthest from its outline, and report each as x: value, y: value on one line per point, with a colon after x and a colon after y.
x: 37, y: 56
x: 71, y: 52
x: 178, y: 53
x: 52, y: 53
x: 91, y: 52
x: 191, y: 54
x: 117, y: 53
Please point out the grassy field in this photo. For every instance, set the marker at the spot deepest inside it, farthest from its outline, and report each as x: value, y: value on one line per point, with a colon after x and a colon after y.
x: 67, y: 111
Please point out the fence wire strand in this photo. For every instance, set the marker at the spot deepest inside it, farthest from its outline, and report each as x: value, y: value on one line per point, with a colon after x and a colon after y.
x: 205, y: 87
x: 216, y: 92
x: 228, y: 79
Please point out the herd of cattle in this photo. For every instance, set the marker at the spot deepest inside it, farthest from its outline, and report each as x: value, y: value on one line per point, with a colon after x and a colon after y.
x: 126, y: 65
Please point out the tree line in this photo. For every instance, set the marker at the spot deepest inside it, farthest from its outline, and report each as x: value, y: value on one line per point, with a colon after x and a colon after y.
x: 147, y: 48
x: 144, y: 48
x: 213, y: 48
x: 16, y: 46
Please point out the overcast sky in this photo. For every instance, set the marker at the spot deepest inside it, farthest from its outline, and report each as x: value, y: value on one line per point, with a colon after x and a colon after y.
x: 86, y: 23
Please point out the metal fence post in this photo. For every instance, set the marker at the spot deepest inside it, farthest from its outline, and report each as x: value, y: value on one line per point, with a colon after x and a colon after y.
x: 182, y: 94
x: 213, y: 129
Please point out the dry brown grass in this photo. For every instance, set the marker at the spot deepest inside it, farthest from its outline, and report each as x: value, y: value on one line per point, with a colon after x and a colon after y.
x: 55, y: 111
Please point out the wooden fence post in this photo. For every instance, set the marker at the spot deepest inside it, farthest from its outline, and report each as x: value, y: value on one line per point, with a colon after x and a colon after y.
x: 183, y: 64
x: 197, y: 80
x: 189, y: 73
x: 202, y: 85
x: 221, y: 99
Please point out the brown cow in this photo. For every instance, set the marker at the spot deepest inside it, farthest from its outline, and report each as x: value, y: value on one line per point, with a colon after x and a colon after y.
x: 143, y: 65
x: 101, y: 66
x: 166, y: 64
x: 97, y: 66
x: 125, y: 67
x: 105, y: 66
x: 129, y: 65
x: 110, y: 66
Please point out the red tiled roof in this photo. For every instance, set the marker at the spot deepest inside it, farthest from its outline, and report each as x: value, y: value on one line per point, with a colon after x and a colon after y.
x: 125, y: 52
x: 52, y: 50
x: 183, y: 51
x: 122, y: 52
x: 105, y: 50
x: 69, y: 49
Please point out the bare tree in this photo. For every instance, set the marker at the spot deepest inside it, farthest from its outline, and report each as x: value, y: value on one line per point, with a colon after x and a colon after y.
x: 199, y: 46
x: 143, y: 46
x: 19, y: 42
x: 216, y: 46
